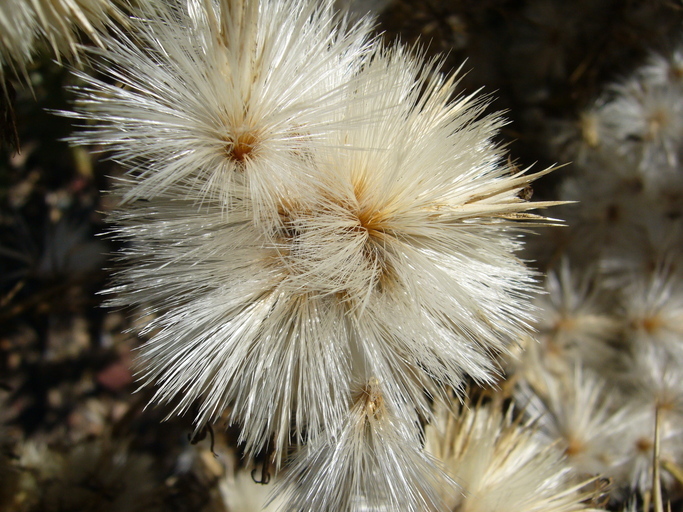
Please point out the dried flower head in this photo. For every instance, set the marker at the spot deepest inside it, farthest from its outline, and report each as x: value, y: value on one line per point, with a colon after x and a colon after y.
x: 374, y: 462
x: 574, y: 320
x: 502, y: 465
x: 303, y: 212
x: 646, y: 122
x: 228, y: 97
x: 653, y: 312
x: 582, y: 415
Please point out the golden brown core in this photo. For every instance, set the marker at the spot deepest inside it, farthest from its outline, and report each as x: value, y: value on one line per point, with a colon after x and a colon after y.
x: 241, y: 148
x: 372, y: 222
x: 657, y: 121
x: 565, y: 324
x: 368, y: 222
x: 376, y: 223
x: 370, y: 398
x: 644, y: 445
x: 650, y: 324
x: 575, y: 447
x: 374, y: 249
x: 552, y: 348
x: 666, y: 404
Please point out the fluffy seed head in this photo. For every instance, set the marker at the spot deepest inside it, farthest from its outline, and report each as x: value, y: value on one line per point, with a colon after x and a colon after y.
x: 227, y: 97
x: 303, y: 211
x: 374, y: 462
x: 502, y: 465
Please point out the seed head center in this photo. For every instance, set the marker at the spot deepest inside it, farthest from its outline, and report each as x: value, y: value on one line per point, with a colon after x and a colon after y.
x: 241, y: 147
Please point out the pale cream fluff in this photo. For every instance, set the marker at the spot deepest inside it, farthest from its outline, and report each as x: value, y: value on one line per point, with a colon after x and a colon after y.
x: 27, y: 25
x: 306, y: 209
x: 502, y: 465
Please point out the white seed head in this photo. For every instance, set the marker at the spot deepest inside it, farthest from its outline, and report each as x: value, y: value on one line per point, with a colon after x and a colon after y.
x: 373, y: 463
x: 228, y: 97
x: 502, y: 465
x: 304, y: 209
